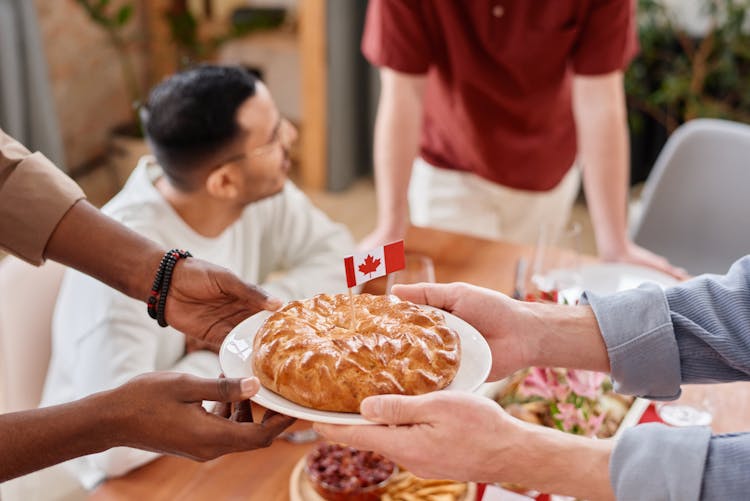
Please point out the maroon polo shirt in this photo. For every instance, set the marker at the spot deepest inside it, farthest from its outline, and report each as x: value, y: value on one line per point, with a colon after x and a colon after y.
x: 498, y: 94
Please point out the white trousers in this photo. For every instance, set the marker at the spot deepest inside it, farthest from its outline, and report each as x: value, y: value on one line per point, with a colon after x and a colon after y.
x: 463, y: 202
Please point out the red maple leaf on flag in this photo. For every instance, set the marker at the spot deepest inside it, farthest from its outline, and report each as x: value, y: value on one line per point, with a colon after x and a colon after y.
x: 369, y: 265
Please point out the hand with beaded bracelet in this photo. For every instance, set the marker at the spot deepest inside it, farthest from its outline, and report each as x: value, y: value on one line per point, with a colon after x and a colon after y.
x: 202, y: 300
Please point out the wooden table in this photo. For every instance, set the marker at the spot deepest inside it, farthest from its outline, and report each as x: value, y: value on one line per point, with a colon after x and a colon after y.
x: 264, y: 474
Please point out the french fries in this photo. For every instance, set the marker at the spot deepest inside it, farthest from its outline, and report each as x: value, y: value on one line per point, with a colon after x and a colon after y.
x: 407, y: 487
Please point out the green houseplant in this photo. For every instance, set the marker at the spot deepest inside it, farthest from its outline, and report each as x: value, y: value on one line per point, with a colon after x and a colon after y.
x: 114, y: 21
x: 678, y: 76
x: 193, y: 45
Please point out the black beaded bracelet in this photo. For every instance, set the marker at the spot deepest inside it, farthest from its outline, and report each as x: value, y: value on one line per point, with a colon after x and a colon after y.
x: 158, y: 299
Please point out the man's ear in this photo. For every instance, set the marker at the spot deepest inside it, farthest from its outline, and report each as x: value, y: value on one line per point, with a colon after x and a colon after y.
x: 224, y: 182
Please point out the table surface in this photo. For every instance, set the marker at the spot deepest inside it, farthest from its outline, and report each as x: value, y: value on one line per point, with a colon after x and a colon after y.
x: 264, y: 474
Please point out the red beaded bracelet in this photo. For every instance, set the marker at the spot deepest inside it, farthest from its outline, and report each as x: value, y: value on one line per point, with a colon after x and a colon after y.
x: 158, y: 298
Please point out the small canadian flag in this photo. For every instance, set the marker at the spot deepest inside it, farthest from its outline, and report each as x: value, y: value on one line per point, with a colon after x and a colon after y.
x: 364, y: 266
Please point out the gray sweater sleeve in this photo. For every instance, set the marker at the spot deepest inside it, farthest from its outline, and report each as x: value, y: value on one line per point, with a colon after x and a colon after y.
x: 696, y: 332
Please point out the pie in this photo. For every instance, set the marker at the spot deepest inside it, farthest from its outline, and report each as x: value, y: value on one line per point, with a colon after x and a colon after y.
x: 329, y: 354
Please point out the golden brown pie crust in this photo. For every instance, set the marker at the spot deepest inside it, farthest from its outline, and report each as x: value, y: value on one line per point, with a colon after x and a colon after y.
x: 308, y: 353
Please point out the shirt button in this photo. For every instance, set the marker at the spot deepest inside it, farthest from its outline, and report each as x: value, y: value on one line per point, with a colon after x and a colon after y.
x: 498, y: 11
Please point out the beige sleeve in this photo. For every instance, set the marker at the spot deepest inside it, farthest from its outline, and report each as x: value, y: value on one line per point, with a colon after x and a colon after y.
x: 34, y: 196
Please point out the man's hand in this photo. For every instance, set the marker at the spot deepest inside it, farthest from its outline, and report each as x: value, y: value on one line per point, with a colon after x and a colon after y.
x: 447, y: 434
x: 460, y: 436
x: 158, y: 411
x: 206, y: 301
x: 500, y: 319
x: 601, y: 123
x: 520, y: 334
x: 162, y: 412
x: 636, y: 254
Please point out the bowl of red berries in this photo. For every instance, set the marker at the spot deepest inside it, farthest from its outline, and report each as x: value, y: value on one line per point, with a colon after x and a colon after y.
x: 341, y: 473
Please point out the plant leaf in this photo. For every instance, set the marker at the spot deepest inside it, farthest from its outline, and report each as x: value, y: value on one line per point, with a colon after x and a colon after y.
x: 124, y: 14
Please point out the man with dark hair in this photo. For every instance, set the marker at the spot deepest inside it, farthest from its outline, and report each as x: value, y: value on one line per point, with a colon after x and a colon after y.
x: 218, y: 187
x: 190, y: 120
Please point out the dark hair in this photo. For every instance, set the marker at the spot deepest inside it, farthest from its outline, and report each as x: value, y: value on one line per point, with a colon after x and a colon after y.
x: 191, y: 117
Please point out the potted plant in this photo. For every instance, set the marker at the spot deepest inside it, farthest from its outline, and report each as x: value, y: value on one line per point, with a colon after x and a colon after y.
x: 114, y: 22
x: 196, y: 44
x: 679, y: 76
x: 127, y: 144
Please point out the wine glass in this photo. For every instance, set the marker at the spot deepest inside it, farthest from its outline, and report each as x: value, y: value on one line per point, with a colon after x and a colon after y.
x: 419, y: 268
x: 695, y: 407
x: 681, y: 414
x: 555, y: 271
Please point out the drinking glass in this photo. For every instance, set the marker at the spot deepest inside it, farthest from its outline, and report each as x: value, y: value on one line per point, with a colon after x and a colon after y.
x: 693, y: 408
x: 681, y: 414
x: 555, y: 270
x: 419, y: 268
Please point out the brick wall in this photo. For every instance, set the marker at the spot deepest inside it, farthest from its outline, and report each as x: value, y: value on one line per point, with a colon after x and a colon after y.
x: 87, y: 85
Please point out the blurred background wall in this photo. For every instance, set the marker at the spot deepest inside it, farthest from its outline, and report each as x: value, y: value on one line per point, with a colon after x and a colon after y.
x: 86, y: 83
x: 693, y: 53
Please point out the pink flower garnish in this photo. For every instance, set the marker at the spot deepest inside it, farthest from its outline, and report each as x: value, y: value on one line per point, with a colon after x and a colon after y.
x: 569, y: 416
x: 545, y: 383
x: 572, y: 417
x: 586, y: 384
x: 593, y: 425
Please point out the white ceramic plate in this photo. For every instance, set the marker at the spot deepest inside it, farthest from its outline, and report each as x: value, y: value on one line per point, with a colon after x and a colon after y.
x: 234, y: 358
x: 606, y: 278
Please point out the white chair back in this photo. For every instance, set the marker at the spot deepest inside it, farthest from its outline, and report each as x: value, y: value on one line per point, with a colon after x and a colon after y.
x: 696, y: 201
x: 27, y: 301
